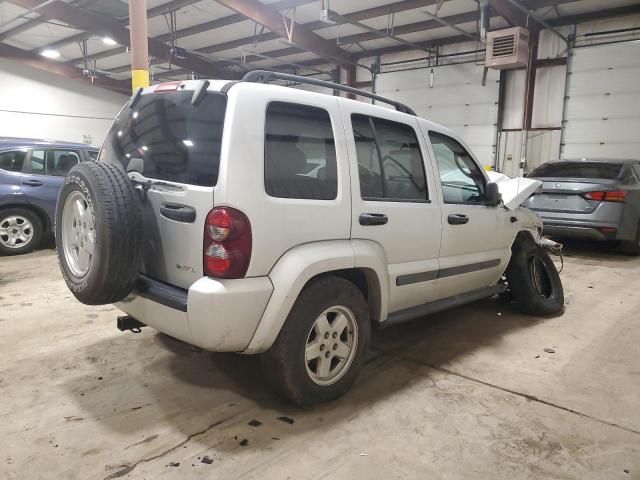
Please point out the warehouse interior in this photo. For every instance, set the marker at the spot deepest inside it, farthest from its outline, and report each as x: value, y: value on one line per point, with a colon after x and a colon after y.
x: 478, y: 391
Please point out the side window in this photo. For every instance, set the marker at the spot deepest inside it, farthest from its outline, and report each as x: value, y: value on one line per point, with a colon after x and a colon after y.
x: 55, y: 162
x: 636, y: 167
x: 300, y: 153
x: 12, y: 161
x: 38, y: 162
x: 462, y: 180
x: 92, y: 155
x: 390, y: 164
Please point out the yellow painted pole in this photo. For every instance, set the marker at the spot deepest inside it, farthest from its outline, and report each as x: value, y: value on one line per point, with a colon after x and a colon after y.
x: 139, y: 44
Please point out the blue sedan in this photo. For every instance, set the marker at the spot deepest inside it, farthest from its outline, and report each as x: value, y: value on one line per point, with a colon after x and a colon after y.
x: 31, y: 173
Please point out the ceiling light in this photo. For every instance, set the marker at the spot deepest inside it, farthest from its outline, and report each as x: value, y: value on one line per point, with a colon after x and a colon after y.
x: 187, y: 142
x: 50, y: 53
x: 109, y: 41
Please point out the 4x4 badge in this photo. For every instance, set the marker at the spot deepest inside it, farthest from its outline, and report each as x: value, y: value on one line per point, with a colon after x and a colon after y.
x: 184, y: 268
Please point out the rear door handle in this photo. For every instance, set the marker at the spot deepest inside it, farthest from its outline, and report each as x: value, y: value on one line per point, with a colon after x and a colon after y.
x: 33, y: 183
x: 373, y: 219
x: 177, y: 212
x: 458, y: 219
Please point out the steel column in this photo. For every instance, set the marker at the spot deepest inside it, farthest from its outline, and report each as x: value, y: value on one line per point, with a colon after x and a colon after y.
x: 139, y: 44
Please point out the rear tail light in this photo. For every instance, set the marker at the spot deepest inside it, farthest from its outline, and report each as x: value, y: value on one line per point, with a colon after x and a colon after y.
x: 227, y: 243
x: 607, y: 196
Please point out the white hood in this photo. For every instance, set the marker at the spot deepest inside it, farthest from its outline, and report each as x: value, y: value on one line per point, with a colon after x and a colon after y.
x: 514, y: 190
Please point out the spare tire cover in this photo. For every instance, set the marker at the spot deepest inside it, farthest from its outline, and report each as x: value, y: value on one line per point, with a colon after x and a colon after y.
x: 98, y: 232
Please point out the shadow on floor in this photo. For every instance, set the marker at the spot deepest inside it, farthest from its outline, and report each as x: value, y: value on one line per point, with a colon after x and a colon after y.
x: 191, y: 387
x: 591, y: 250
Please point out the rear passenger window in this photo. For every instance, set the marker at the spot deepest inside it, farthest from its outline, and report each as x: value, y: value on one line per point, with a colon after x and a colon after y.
x: 12, y: 161
x: 300, y: 153
x: 390, y: 164
x: 53, y: 162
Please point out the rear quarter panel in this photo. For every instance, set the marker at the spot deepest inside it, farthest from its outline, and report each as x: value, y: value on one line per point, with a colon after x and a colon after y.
x: 277, y: 224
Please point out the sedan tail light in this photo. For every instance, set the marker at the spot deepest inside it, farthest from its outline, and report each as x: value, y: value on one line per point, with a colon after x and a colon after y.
x: 227, y: 243
x: 607, y: 196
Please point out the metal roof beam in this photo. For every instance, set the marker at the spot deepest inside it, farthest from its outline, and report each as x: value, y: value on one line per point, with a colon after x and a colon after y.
x: 151, y: 12
x: 368, y: 13
x: 195, y: 29
x: 36, y: 61
x: 287, y: 28
x: 108, y: 27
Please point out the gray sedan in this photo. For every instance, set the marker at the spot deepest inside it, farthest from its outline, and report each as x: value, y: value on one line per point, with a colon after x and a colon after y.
x: 597, y: 199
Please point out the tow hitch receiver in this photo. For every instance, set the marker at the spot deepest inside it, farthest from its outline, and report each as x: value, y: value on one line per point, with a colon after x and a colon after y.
x: 126, y: 322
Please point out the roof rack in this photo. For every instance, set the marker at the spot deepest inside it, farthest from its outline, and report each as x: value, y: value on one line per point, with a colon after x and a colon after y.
x: 266, y: 76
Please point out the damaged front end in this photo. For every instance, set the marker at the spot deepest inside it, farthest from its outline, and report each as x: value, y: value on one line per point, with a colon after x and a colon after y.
x: 515, y: 191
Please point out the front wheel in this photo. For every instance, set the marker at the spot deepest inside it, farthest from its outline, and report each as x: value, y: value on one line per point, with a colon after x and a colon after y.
x: 322, y: 345
x: 533, y: 280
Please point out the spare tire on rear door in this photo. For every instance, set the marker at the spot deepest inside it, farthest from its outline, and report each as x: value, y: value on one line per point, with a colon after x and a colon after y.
x: 99, y: 233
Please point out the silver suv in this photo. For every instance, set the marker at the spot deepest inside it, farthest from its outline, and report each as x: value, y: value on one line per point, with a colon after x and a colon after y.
x: 254, y: 218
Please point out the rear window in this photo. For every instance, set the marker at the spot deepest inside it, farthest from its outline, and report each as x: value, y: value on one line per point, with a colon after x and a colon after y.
x: 175, y: 140
x: 604, y: 171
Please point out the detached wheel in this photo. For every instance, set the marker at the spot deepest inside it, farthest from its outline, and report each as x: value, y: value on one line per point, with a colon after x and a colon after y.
x: 20, y: 231
x: 322, y: 345
x: 98, y: 233
x: 533, y: 280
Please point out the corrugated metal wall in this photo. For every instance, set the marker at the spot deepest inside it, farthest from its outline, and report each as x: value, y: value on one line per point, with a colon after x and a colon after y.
x: 603, y: 106
x: 457, y: 100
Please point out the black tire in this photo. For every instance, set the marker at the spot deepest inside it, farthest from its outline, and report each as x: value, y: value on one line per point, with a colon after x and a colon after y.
x: 533, y: 280
x: 284, y: 364
x: 116, y: 209
x: 18, y: 219
x: 631, y: 247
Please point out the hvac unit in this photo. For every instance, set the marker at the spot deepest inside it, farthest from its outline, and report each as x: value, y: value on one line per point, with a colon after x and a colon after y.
x: 508, y: 48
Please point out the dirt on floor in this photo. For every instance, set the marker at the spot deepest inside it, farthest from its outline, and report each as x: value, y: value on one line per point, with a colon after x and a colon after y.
x: 473, y: 393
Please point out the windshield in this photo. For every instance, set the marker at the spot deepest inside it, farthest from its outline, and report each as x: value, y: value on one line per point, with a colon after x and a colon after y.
x: 165, y: 137
x: 604, y: 171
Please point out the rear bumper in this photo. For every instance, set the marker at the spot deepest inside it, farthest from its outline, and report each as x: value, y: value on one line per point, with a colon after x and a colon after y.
x: 217, y: 315
x: 567, y: 228
x: 587, y: 233
x: 603, y: 223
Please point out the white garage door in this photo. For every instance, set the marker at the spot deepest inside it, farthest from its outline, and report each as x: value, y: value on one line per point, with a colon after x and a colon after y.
x: 603, y: 109
x: 457, y: 100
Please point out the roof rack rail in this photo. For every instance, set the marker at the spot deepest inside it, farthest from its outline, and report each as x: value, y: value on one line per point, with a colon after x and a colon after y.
x: 266, y: 76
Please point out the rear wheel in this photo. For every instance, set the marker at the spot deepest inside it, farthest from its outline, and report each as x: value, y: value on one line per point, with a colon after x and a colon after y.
x: 20, y: 231
x: 98, y: 233
x: 322, y: 345
x: 631, y: 247
x: 533, y: 280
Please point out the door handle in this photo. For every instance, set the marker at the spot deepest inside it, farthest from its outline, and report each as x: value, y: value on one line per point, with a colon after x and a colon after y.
x: 177, y: 212
x: 33, y: 183
x: 458, y: 219
x: 373, y: 219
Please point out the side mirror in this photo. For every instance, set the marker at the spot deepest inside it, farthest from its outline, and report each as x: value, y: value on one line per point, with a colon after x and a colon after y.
x: 492, y: 194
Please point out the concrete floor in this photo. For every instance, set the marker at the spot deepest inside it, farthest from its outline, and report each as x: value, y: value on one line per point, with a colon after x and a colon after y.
x: 469, y: 393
